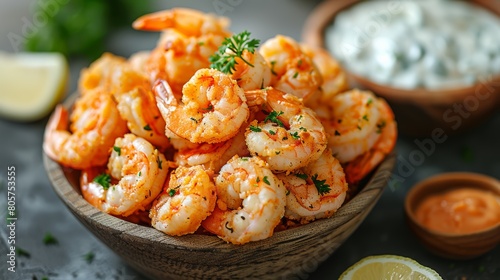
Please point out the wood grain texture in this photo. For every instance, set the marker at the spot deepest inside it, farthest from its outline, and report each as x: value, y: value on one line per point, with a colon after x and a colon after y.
x: 294, y: 252
x: 418, y: 111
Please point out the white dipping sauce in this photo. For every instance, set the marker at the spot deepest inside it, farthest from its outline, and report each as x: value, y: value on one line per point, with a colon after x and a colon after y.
x: 434, y: 44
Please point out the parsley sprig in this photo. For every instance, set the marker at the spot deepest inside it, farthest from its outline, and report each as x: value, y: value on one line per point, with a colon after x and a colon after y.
x: 225, y: 61
x: 320, y: 185
x: 273, y: 117
x: 104, y: 180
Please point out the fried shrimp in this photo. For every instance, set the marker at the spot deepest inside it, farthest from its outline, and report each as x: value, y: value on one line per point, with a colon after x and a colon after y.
x: 290, y: 136
x: 185, y: 202
x: 213, y: 156
x: 353, y: 127
x: 140, y: 170
x: 251, y: 201
x: 213, y: 107
x: 315, y: 191
x: 137, y: 105
x: 334, y: 78
x: 253, y: 73
x: 96, y: 123
x: 293, y: 71
x: 101, y: 74
x: 188, y: 39
x: 358, y: 168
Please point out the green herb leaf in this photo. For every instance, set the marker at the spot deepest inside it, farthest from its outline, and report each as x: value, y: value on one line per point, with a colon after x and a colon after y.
x: 49, y: 239
x: 266, y: 180
x: 224, y: 60
x: 320, y: 185
x: 380, y: 126
x: 273, y: 117
x: 295, y: 135
x: 89, y: 257
x: 273, y: 63
x: 302, y: 176
x: 158, y: 160
x: 22, y: 253
x: 255, y: 128
x: 147, y: 127
x: 118, y: 150
x: 171, y: 192
x: 104, y: 180
x: 272, y: 132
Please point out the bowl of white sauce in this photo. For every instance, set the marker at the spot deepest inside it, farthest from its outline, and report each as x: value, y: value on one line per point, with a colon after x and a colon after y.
x: 437, y: 62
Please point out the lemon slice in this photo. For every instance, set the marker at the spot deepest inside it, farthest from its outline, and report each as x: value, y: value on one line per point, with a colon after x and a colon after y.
x: 31, y: 84
x: 388, y: 267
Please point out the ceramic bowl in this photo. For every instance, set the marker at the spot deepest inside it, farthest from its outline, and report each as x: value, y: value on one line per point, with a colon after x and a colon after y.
x: 452, y: 246
x: 295, y: 251
x: 418, y: 111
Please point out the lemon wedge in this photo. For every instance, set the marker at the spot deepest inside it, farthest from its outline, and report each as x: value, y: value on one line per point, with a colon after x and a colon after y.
x: 31, y: 84
x: 388, y: 267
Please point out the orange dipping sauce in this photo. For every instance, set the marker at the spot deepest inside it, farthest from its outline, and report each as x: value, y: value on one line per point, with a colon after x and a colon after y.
x: 459, y: 211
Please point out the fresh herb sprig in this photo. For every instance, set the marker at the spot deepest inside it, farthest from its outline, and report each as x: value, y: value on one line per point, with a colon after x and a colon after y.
x: 321, y: 185
x: 224, y: 60
x: 104, y: 180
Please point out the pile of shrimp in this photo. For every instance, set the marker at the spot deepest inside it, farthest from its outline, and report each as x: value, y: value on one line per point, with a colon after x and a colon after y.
x: 164, y: 139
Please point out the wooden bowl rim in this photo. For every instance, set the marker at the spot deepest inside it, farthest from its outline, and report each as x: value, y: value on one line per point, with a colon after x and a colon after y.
x: 323, y: 15
x: 367, y: 196
x: 456, y: 179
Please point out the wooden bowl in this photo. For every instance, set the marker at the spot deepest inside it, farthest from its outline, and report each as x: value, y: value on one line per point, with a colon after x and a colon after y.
x: 452, y: 246
x: 296, y: 251
x: 419, y: 111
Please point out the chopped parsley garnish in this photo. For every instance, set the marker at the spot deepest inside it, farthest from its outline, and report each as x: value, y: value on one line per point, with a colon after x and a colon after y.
x: 301, y: 176
x: 257, y: 180
x: 299, y: 63
x: 147, y: 127
x: 118, y: 150
x: 49, y: 239
x: 272, y: 132
x: 201, y: 43
x: 89, y: 257
x: 320, y: 185
x: 302, y: 128
x: 255, y: 128
x: 225, y: 61
x: 295, y: 135
x: 365, y: 117
x: 158, y: 160
x: 370, y: 101
x: 380, y: 126
x: 295, y: 75
x: 266, y: 180
x: 273, y: 63
x: 193, y: 119
x: 273, y: 117
x: 171, y: 192
x: 22, y: 253
x: 104, y: 180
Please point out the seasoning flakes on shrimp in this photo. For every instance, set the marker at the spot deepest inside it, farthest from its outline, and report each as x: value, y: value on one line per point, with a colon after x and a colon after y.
x: 213, y: 132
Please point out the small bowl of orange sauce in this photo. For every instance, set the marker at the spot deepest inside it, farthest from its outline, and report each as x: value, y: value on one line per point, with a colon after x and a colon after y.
x: 456, y: 215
